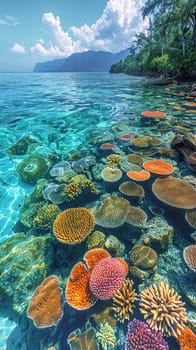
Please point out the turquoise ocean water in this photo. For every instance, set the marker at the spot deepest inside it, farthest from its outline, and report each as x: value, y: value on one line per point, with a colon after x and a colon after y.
x: 69, y: 116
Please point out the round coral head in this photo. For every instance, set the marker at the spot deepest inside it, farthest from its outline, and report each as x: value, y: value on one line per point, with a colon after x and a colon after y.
x: 73, y: 225
x: 106, y: 278
x: 175, y: 192
x: 141, y: 175
x: 155, y: 114
x: 158, y: 166
x: 45, y: 305
x: 189, y: 255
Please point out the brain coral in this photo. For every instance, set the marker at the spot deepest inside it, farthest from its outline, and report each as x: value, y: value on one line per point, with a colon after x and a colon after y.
x: 175, y: 192
x: 106, y: 278
x: 73, y: 225
x: 45, y: 306
x: 113, y: 212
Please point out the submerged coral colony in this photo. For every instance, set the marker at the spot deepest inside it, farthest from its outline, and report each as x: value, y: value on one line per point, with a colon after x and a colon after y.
x: 104, y: 254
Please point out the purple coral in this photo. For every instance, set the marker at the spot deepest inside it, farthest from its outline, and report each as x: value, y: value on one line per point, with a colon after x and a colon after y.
x: 141, y: 337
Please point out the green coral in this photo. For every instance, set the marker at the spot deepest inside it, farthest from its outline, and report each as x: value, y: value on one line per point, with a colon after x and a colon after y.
x: 106, y: 336
x: 33, y: 168
x: 45, y: 217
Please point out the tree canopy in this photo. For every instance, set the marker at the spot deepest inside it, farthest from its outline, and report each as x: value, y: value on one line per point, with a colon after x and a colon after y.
x: 168, y: 46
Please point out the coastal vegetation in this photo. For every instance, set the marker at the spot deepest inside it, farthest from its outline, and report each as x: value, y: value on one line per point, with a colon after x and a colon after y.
x: 168, y: 46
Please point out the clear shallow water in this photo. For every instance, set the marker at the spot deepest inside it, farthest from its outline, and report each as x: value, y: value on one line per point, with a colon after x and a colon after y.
x: 64, y: 112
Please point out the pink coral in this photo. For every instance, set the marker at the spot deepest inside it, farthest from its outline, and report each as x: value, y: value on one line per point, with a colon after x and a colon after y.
x: 106, y: 278
x: 141, y: 337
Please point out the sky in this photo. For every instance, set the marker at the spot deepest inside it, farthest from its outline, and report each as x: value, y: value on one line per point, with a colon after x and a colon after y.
x: 42, y: 30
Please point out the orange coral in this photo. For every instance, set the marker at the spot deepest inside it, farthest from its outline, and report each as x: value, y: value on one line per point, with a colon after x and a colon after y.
x: 77, y: 291
x: 45, y: 305
x: 73, y: 225
x: 175, y: 192
x: 141, y: 175
x: 93, y: 256
x: 158, y: 166
x: 123, y: 262
x: 155, y: 114
x: 187, y: 339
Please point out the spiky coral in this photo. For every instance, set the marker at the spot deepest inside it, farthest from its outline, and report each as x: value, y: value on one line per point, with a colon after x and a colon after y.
x: 163, y: 309
x: 106, y: 336
x: 123, y: 301
x: 113, y: 160
x: 77, y: 185
x: 45, y: 217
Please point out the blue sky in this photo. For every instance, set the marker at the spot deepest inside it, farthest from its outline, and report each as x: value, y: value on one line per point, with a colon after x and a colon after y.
x: 40, y: 30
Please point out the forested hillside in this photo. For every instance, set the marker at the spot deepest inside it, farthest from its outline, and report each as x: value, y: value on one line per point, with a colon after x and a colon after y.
x: 168, y: 47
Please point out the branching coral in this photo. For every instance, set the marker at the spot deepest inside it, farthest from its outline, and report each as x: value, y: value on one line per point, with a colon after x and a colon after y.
x: 113, y: 160
x: 123, y: 301
x: 77, y: 185
x: 163, y: 309
x: 106, y: 336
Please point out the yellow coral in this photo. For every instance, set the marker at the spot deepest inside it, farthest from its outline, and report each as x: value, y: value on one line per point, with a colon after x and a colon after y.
x: 113, y: 160
x: 78, y: 184
x: 106, y: 336
x: 123, y: 301
x: 45, y: 217
x: 163, y: 309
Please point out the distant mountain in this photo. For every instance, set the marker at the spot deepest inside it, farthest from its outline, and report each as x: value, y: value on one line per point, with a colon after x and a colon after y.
x: 88, y: 61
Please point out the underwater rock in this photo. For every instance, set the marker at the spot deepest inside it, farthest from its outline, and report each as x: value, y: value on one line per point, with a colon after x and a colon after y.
x: 157, y: 233
x: 21, y: 146
x: 96, y: 240
x: 143, y: 257
x: 185, y: 145
x: 114, y: 246
x: 33, y: 168
x: 23, y: 266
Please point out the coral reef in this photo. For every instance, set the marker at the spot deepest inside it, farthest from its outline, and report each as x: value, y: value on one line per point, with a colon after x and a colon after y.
x: 45, y: 217
x: 114, y: 246
x: 77, y: 292
x: 73, y: 225
x: 136, y: 216
x: 141, y: 336
x: 111, y: 174
x: 158, y: 166
x: 112, y: 212
x: 163, y: 309
x: 80, y: 340
x: 123, y: 301
x: 187, y: 339
x: 106, y: 336
x: 189, y: 255
x: 113, y: 160
x: 157, y: 233
x: 138, y: 175
x: 96, y: 240
x: 33, y: 168
x: 23, y: 266
x: 45, y: 306
x: 175, y: 192
x: 143, y: 257
x: 21, y: 146
x: 106, y: 278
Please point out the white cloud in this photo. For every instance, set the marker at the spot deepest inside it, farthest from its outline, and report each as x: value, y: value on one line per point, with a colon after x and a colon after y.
x: 9, y: 21
x: 17, y: 48
x: 113, y: 31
